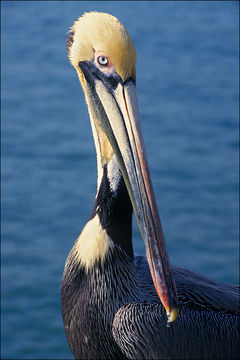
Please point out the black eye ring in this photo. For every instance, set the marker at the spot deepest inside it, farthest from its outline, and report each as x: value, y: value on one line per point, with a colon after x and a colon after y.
x: 102, y: 60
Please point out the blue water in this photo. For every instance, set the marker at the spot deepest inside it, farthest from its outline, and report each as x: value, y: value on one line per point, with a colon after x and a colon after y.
x: 188, y: 93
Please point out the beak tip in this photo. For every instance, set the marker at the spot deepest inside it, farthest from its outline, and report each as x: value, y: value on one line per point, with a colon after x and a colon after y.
x: 172, y: 315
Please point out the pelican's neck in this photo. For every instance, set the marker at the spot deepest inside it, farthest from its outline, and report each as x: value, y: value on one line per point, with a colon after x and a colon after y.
x: 112, y: 202
x: 113, y: 206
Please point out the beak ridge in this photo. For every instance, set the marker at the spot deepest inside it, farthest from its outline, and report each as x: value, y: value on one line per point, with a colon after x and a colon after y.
x: 119, y: 119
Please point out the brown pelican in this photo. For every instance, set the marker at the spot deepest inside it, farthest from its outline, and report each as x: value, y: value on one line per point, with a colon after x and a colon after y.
x: 113, y: 303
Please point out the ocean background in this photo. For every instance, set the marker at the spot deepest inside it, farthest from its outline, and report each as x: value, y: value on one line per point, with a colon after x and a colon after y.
x: 187, y: 84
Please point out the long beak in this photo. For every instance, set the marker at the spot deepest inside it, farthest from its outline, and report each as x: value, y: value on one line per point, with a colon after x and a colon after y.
x: 113, y: 105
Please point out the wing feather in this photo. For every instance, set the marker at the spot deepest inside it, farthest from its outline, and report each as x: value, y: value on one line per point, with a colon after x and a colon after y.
x: 207, y: 326
x: 142, y: 332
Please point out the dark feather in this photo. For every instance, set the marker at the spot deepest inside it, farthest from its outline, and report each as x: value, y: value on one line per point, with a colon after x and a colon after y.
x: 69, y: 40
x: 207, y: 326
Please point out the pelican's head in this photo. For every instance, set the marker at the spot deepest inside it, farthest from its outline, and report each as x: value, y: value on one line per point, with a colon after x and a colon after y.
x: 104, y: 56
x: 98, y: 35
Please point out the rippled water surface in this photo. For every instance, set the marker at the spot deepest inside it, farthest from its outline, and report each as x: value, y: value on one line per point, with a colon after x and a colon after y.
x: 187, y: 83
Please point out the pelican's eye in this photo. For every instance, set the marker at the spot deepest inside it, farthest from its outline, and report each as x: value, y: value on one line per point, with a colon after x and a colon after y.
x: 102, y: 60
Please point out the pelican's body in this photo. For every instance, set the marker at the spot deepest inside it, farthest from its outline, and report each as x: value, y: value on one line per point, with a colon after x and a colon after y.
x: 115, y: 313
x: 113, y: 303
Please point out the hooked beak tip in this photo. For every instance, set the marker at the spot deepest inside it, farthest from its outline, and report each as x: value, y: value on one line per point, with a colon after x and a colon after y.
x: 172, y: 315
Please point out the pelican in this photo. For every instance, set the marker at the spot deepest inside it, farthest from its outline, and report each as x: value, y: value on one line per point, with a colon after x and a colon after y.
x: 116, y: 305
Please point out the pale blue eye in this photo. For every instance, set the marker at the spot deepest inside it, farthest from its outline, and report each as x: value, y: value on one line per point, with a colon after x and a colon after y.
x: 102, y: 60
